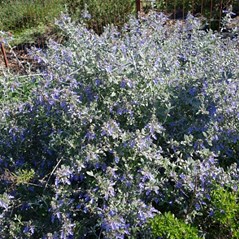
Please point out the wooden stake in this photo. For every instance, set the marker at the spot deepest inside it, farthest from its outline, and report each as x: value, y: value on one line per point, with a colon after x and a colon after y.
x: 138, y: 7
x: 4, y: 54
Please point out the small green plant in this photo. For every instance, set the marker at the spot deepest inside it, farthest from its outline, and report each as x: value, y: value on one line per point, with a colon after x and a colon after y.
x: 24, y: 176
x: 225, y: 211
x: 169, y: 227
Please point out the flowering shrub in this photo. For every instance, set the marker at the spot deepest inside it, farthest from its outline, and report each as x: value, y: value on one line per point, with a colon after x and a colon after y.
x: 117, y: 129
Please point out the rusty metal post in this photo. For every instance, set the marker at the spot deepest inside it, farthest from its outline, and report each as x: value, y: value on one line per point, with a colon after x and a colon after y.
x: 138, y: 7
x: 4, y: 54
x: 220, y: 15
x: 211, y: 9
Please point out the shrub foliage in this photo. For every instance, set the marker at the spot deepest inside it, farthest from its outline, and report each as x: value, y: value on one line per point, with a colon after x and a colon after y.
x: 120, y: 128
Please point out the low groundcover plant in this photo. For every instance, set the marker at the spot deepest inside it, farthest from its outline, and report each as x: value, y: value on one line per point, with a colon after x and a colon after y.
x: 119, y: 129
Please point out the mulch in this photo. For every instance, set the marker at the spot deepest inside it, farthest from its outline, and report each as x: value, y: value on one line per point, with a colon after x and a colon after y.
x: 18, y: 61
x: 18, y: 58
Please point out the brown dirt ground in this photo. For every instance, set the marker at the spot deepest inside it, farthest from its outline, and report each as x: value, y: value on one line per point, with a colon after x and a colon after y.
x: 17, y: 61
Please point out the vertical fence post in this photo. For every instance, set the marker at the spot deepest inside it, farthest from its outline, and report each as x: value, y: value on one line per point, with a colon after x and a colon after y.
x: 138, y: 7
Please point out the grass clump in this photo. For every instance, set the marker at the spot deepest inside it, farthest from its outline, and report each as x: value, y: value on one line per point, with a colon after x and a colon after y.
x: 28, y: 19
x: 101, y: 13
